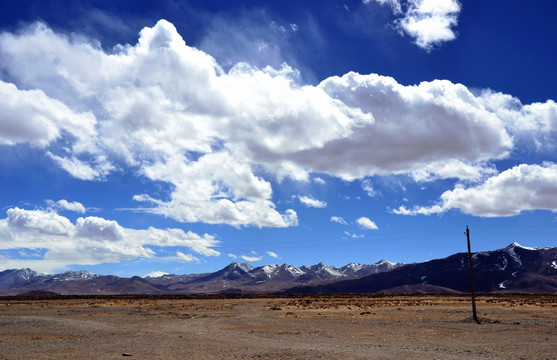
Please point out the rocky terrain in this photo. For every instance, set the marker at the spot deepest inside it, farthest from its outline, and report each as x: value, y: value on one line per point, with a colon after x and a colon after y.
x: 278, y: 327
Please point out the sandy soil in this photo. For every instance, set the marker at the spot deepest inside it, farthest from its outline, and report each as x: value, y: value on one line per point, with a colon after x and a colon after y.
x: 328, y: 327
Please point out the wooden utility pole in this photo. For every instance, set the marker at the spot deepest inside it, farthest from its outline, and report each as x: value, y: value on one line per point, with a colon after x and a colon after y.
x: 470, y: 267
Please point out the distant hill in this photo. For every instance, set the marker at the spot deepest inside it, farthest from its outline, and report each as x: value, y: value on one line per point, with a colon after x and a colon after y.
x: 512, y: 269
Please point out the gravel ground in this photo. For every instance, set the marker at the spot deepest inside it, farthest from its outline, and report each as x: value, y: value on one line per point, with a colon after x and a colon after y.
x: 323, y: 327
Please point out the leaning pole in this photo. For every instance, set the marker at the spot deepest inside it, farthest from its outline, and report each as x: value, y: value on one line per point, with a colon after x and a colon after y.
x: 471, y: 271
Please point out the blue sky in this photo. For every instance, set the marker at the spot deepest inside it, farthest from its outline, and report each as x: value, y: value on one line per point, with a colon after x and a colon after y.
x: 171, y: 136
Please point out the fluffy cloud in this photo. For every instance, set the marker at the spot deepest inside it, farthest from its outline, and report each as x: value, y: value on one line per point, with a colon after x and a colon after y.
x: 217, y: 188
x: 429, y: 22
x: 30, y: 116
x: 38, y: 222
x: 93, y: 227
x: 521, y: 188
x: 171, y: 113
x: 366, y: 223
x: 91, y: 240
x: 150, y: 119
x: 428, y: 126
x: 311, y: 202
x: 532, y: 118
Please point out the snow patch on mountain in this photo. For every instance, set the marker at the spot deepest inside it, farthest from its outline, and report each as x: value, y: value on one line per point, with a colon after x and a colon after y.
x: 294, y: 271
x: 243, y: 266
x: 512, y: 253
x: 269, y: 269
x: 156, y: 274
x: 75, y: 275
x: 329, y: 270
x: 504, y: 265
x: 517, y: 245
x: 13, y: 276
x: 385, y: 262
x: 354, y: 266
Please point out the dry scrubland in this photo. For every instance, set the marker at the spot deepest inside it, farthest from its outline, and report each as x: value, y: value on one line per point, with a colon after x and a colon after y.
x: 303, y: 327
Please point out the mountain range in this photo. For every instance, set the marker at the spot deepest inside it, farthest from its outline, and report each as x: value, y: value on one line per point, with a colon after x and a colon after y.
x: 512, y: 269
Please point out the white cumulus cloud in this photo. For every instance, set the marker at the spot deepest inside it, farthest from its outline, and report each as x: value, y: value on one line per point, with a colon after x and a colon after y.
x: 366, y: 223
x: 427, y: 126
x: 90, y: 241
x: 30, y: 116
x: 429, y: 22
x: 521, y: 188
x: 38, y: 222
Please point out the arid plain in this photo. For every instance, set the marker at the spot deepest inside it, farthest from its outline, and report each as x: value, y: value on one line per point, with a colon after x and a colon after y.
x: 279, y: 327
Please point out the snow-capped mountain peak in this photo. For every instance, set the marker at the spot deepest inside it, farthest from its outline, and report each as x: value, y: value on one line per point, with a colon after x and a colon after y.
x: 269, y: 269
x: 295, y: 271
x: 328, y: 270
x: 517, y: 245
x: 244, y: 266
x: 234, y: 271
x: 384, y: 262
x: 354, y: 266
x: 277, y: 271
x: 12, y: 276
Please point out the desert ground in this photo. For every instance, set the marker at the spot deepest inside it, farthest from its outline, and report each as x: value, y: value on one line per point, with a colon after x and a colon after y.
x: 279, y: 327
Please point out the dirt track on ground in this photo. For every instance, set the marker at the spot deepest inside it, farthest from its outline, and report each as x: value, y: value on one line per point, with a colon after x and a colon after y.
x: 310, y: 327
